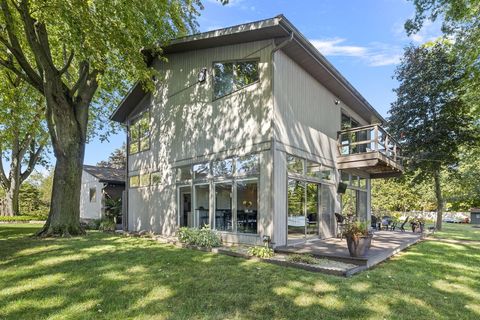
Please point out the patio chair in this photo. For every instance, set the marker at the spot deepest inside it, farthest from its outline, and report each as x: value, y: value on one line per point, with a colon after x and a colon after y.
x: 402, y: 227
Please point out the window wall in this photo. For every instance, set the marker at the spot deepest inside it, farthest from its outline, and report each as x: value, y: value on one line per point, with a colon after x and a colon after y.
x: 231, y: 185
x: 354, y: 200
x: 232, y: 76
x: 139, y: 133
x: 310, y: 212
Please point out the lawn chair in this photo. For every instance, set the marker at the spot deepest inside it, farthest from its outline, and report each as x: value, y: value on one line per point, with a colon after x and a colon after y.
x: 402, y: 227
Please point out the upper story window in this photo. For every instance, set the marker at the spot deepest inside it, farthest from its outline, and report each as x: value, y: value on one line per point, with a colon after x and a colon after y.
x: 139, y: 133
x: 233, y: 76
x: 348, y: 122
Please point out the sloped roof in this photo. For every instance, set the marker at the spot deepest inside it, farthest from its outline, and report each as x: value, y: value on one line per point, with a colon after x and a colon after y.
x: 280, y: 29
x: 105, y: 174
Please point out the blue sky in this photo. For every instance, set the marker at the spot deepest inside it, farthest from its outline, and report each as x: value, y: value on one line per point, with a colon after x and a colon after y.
x: 362, y: 39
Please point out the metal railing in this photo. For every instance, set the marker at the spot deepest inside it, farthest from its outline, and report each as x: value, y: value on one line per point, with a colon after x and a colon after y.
x: 371, y: 138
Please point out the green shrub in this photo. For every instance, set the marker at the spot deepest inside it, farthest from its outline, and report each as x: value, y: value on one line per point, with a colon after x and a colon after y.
x: 199, y: 237
x: 261, y: 252
x: 302, y: 258
x: 20, y: 218
x: 107, y: 225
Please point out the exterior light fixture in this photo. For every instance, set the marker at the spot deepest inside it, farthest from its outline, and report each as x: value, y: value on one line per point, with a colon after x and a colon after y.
x: 337, y: 102
x: 202, y: 75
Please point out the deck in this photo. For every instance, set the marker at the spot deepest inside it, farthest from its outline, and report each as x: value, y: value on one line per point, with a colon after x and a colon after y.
x: 384, y: 245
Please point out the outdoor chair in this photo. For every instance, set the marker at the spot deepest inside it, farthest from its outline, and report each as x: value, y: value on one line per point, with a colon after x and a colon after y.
x: 402, y: 227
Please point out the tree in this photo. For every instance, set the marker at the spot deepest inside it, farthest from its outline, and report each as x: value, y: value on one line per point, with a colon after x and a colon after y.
x: 79, y: 55
x: 23, y: 136
x: 117, y: 159
x: 429, y: 117
x: 460, y: 22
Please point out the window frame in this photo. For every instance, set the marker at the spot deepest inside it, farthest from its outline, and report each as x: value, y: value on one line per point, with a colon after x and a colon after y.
x: 94, y: 194
x: 134, y: 121
x: 235, y: 88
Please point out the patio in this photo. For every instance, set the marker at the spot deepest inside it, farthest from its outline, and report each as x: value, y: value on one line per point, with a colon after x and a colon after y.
x: 384, y: 245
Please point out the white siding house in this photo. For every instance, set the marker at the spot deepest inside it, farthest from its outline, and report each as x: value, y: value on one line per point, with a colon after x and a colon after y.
x: 99, y: 183
x: 250, y: 130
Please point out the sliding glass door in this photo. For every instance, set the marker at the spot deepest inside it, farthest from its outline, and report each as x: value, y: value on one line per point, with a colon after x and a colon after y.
x: 303, y: 209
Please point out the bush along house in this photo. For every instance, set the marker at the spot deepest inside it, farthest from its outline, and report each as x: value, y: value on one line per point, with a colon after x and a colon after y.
x: 252, y: 132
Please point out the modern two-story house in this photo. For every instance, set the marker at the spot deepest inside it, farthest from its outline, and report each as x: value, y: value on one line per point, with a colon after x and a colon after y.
x: 253, y: 132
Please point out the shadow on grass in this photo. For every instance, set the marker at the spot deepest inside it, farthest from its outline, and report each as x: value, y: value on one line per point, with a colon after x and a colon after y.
x: 107, y: 276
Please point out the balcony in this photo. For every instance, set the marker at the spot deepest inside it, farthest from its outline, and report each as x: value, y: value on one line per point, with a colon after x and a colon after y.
x: 369, y: 149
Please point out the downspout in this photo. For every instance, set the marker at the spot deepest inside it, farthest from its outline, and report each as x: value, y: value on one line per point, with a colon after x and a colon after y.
x: 273, y: 146
x: 127, y: 184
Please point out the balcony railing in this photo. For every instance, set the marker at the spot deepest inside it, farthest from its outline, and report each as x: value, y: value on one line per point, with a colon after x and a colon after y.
x: 368, y: 143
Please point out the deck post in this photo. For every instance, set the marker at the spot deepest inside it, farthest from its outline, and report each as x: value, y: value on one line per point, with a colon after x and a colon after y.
x: 375, y: 130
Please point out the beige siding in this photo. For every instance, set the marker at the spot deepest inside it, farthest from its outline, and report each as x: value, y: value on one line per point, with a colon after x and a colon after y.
x: 90, y: 210
x: 188, y: 127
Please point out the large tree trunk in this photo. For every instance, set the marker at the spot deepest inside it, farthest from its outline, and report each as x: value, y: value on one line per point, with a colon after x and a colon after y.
x: 12, y: 202
x: 439, y: 197
x: 67, y: 124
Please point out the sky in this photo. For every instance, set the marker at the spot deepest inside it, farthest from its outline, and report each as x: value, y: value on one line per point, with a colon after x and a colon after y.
x: 363, y: 39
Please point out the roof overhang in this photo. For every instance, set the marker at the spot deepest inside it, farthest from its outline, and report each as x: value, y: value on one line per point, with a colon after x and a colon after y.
x: 298, y: 49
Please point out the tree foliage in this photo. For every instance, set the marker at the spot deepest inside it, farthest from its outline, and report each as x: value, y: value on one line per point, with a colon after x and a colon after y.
x: 429, y: 116
x: 23, y: 136
x: 80, y: 55
x: 461, y: 23
x: 117, y: 159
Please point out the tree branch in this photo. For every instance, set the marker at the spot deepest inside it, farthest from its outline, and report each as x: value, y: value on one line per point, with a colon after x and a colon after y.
x: 67, y: 64
x: 15, y: 48
x: 32, y: 161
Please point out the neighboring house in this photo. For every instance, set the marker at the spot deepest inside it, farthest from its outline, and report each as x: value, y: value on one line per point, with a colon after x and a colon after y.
x: 98, y: 184
x: 244, y: 133
x: 475, y: 216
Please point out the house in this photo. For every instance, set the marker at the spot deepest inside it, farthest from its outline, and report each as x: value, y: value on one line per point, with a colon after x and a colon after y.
x: 250, y: 130
x: 98, y: 184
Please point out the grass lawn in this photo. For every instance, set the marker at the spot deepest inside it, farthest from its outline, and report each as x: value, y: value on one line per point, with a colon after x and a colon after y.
x: 104, y: 276
x: 458, y: 231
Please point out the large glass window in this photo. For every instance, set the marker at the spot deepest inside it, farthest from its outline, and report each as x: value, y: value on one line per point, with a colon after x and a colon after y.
x: 202, y: 204
x: 247, y: 206
x: 232, y: 181
x: 312, y: 209
x: 184, y: 173
x: 185, y: 207
x: 139, y: 133
x: 134, y: 181
x: 222, y: 167
x: 201, y: 171
x: 314, y: 169
x: 232, y: 76
x: 223, y: 206
x: 294, y: 164
x: 296, y: 209
x: 247, y: 164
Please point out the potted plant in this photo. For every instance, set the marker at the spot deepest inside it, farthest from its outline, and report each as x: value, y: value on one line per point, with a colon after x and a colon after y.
x: 359, y: 238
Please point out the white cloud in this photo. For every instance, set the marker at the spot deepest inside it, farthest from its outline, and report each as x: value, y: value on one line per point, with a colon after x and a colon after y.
x: 230, y: 2
x: 375, y: 54
x: 429, y: 32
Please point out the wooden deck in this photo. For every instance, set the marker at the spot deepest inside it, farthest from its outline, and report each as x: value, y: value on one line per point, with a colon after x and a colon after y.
x: 384, y: 245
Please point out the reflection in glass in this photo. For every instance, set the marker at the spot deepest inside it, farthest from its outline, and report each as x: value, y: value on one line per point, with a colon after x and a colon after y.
x: 247, y: 206
x: 312, y: 209
x: 184, y: 173
x: 247, y: 164
x: 201, y: 170
x: 327, y: 211
x: 185, y: 212
x: 314, y: 169
x: 245, y: 73
x: 223, y: 79
x: 223, y: 206
x: 294, y: 164
x: 349, y: 203
x: 327, y: 173
x: 296, y: 209
x: 202, y: 205
x: 222, y: 167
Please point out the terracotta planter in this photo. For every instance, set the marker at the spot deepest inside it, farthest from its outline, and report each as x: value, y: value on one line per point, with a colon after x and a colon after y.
x: 359, y: 247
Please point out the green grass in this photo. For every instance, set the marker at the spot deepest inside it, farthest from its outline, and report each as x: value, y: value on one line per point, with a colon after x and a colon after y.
x: 458, y: 231
x: 104, y: 276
